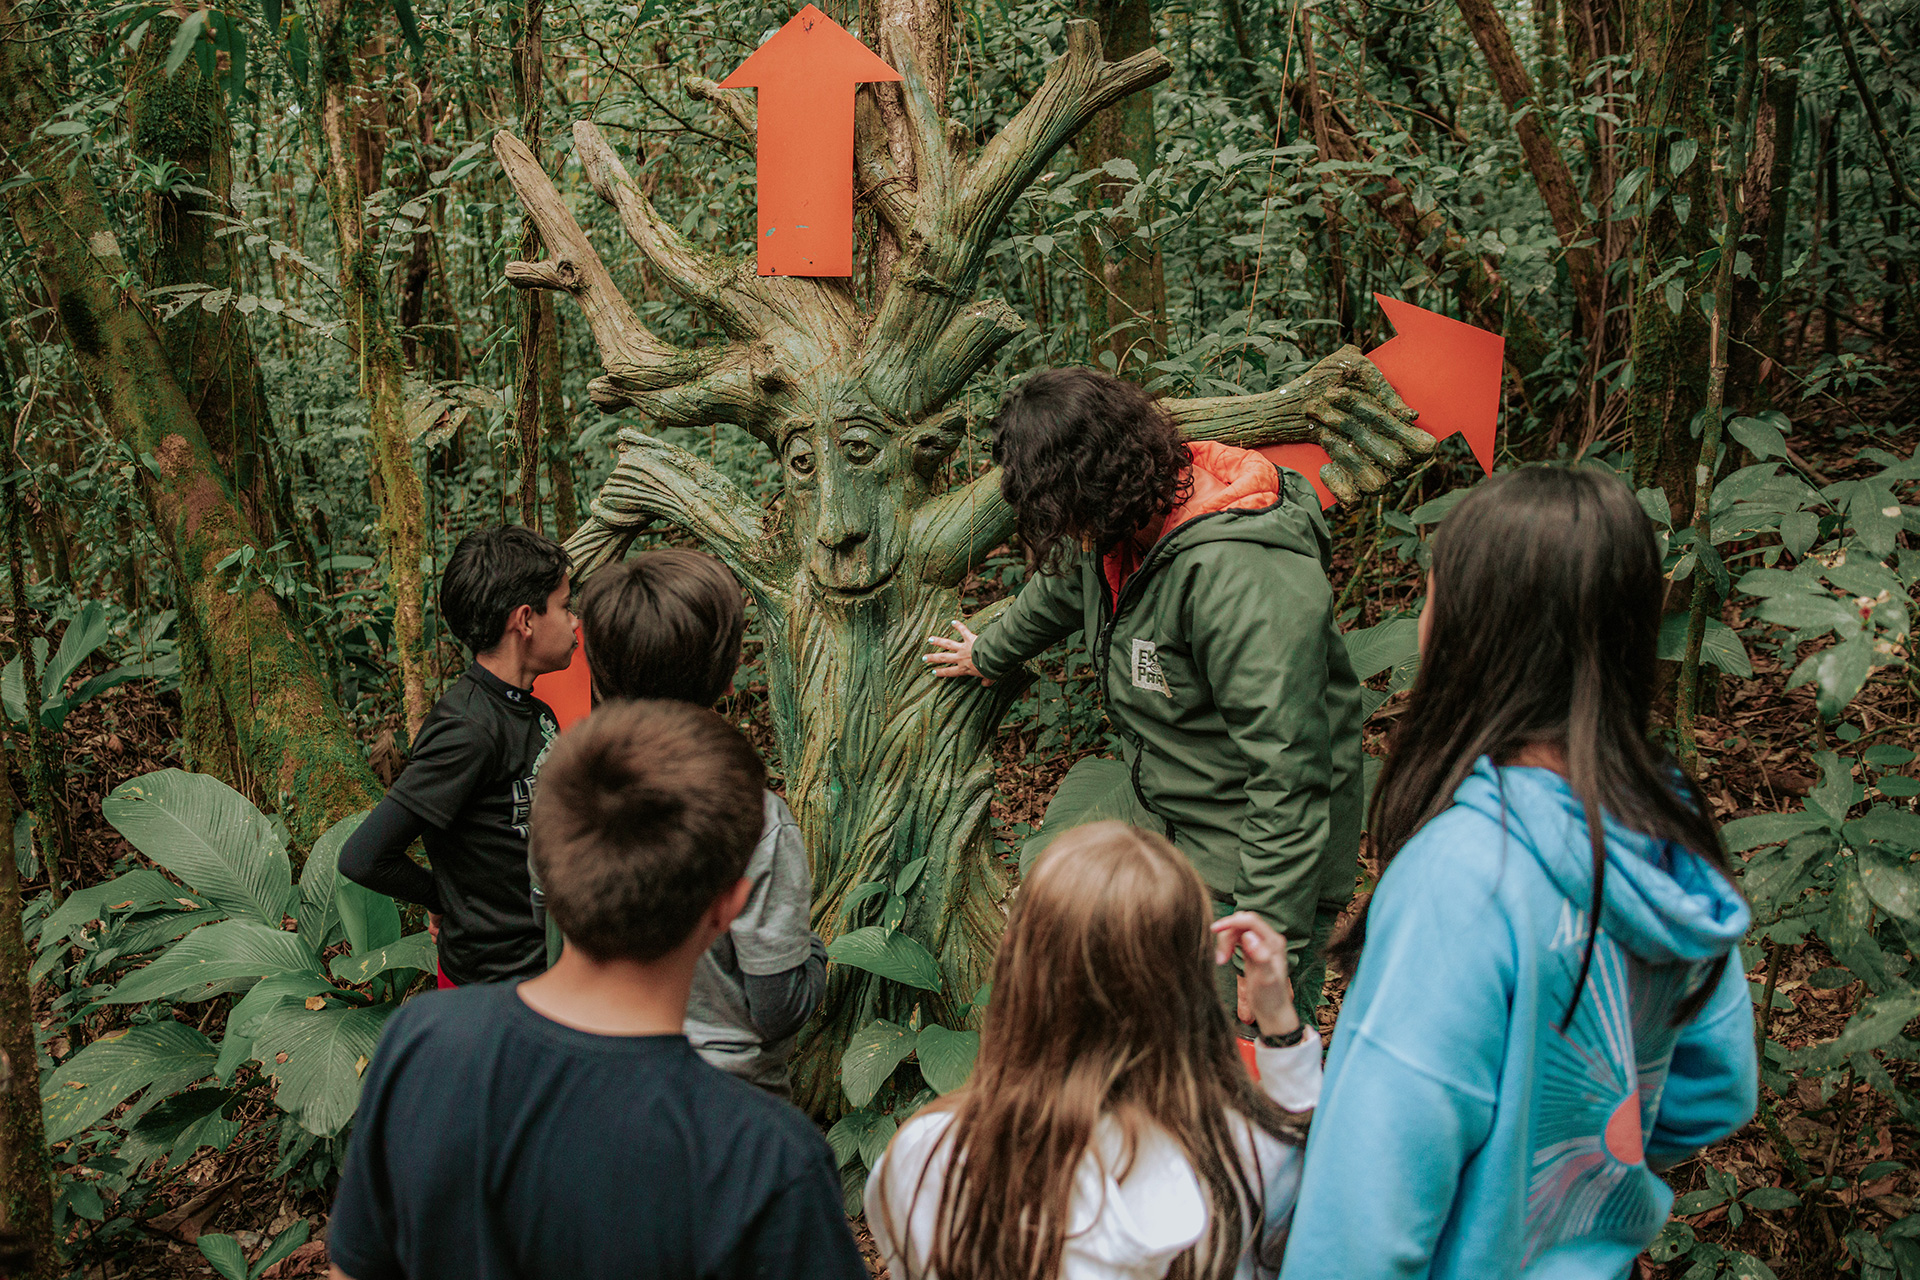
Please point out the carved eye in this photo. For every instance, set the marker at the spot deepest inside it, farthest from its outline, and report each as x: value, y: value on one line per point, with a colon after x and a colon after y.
x: 800, y: 456
x: 859, y: 449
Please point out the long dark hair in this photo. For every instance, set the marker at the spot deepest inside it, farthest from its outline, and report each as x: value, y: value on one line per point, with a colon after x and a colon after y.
x: 1545, y: 623
x: 1085, y: 455
x: 1103, y: 1005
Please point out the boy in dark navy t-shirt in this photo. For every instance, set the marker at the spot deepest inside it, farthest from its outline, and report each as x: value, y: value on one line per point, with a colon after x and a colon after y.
x: 563, y: 1128
x: 469, y: 781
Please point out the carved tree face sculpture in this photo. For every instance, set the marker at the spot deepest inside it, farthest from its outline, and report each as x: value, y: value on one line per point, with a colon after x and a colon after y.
x: 850, y: 496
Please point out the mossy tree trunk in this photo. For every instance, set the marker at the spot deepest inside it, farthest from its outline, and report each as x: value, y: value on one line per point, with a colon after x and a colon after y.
x: 1669, y: 344
x: 1757, y: 308
x: 181, y: 120
x: 339, y: 25
x: 288, y: 724
x: 863, y: 556
x: 1127, y: 292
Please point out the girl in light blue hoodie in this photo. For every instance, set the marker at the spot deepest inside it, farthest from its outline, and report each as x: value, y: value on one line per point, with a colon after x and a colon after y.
x: 1550, y: 1006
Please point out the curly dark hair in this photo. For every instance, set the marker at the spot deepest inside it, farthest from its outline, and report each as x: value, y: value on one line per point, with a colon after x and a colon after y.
x: 1085, y: 456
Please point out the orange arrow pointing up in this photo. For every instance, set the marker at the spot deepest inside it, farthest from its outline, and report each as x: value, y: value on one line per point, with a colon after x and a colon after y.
x: 806, y: 76
x: 1446, y: 371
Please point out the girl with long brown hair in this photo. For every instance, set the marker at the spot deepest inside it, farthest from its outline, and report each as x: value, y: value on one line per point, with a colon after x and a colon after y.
x: 1110, y: 1128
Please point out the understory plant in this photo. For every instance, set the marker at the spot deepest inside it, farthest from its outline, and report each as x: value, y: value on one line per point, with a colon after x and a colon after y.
x: 306, y: 973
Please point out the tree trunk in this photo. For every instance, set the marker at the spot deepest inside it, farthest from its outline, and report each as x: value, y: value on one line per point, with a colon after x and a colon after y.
x: 1756, y: 299
x: 290, y: 727
x: 1669, y: 346
x: 26, y: 1174
x: 536, y: 310
x: 396, y: 485
x: 862, y: 557
x: 182, y: 120
x: 1127, y: 296
x: 1550, y: 173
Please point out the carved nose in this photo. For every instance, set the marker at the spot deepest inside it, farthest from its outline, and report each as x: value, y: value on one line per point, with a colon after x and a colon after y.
x: 839, y: 540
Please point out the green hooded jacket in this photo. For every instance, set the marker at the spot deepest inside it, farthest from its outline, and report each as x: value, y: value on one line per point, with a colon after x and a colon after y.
x: 1224, y: 673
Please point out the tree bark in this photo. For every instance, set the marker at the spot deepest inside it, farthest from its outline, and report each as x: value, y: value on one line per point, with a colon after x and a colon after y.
x: 182, y: 120
x: 291, y: 731
x: 26, y: 1173
x: 1550, y: 173
x: 1670, y: 348
x: 1756, y: 299
x: 396, y: 484
x: 536, y: 311
x: 1127, y: 295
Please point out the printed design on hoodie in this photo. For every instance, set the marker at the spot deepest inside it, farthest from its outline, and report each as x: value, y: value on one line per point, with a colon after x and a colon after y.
x: 523, y: 787
x: 1597, y: 1093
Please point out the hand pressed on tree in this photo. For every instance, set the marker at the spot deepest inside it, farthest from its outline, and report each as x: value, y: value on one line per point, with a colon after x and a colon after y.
x: 1266, y: 989
x: 954, y: 657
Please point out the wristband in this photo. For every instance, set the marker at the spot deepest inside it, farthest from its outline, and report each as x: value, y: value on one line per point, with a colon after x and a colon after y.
x: 1286, y: 1040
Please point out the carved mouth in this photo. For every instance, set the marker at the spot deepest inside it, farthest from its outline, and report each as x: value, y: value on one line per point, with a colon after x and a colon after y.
x: 844, y: 595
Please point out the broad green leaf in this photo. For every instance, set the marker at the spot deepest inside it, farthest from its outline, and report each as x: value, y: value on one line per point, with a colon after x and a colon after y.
x: 1892, y: 883
x: 1743, y: 834
x: 317, y: 1057
x: 180, y: 1126
x: 946, y: 1056
x: 1654, y: 503
x: 236, y: 1046
x: 218, y: 953
x: 888, y: 954
x: 1833, y: 796
x: 871, y: 1055
x: 1679, y: 156
x: 210, y: 836
x: 1763, y: 438
x: 1798, y: 529
x: 317, y: 913
x: 1880, y: 1020
x: 1387, y: 644
x: 909, y: 875
x: 1815, y: 613
x: 415, y: 951
x: 371, y: 920
x: 87, y: 632
x: 861, y: 1133
x: 1841, y: 671
x: 1719, y: 645
x: 162, y: 1056
x: 1887, y: 826
x: 281, y: 1246
x: 1744, y: 1266
x: 1693, y: 1202
x: 1847, y: 927
x: 184, y: 39
x: 1434, y: 510
x: 1898, y: 786
x: 143, y: 887
x: 1885, y: 755
x: 224, y: 1252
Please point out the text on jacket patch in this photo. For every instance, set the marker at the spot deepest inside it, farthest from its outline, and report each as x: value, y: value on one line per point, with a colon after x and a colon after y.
x: 1146, y: 669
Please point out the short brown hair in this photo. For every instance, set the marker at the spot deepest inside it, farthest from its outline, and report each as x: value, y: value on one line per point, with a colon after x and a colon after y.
x: 666, y: 624
x: 646, y: 812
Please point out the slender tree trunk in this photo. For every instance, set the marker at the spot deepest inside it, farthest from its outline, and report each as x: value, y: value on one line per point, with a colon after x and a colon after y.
x: 1769, y: 203
x: 1670, y: 346
x: 1330, y: 221
x: 558, y: 429
x: 1127, y: 298
x: 291, y: 728
x: 1550, y: 173
x: 26, y: 1173
x: 536, y: 310
x: 1830, y: 283
x: 396, y: 484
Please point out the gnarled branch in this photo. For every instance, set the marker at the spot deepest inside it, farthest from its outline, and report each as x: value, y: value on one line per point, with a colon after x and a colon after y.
x: 1343, y: 404
x: 738, y: 105
x: 645, y: 362
x: 654, y: 480
x: 953, y: 533
x: 916, y: 382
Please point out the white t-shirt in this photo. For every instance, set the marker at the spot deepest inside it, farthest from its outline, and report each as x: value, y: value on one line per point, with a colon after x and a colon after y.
x: 1129, y: 1228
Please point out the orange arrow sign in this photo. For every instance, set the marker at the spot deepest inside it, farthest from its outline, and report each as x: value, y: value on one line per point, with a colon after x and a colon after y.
x: 806, y: 76
x: 1446, y: 371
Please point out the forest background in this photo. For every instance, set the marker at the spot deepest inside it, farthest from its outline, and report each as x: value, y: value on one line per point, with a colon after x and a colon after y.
x: 263, y: 366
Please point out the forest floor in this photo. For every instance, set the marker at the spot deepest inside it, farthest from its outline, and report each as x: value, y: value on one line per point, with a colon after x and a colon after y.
x: 1755, y: 743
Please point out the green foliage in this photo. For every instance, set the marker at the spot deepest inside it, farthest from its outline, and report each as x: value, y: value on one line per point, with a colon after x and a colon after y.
x: 236, y: 924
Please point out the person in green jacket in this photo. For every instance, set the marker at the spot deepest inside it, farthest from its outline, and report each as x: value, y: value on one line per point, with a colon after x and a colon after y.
x: 1197, y: 572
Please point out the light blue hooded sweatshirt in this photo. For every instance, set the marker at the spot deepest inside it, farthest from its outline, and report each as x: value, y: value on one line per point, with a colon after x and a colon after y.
x: 1461, y: 1133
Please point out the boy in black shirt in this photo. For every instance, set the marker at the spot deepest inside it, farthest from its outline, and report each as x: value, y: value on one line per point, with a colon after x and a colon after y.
x: 564, y: 1127
x: 468, y: 785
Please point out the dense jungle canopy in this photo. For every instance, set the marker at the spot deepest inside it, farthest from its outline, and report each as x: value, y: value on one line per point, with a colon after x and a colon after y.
x: 267, y: 358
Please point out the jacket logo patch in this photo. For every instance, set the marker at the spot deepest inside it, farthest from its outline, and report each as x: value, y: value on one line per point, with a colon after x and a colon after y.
x: 1146, y: 673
